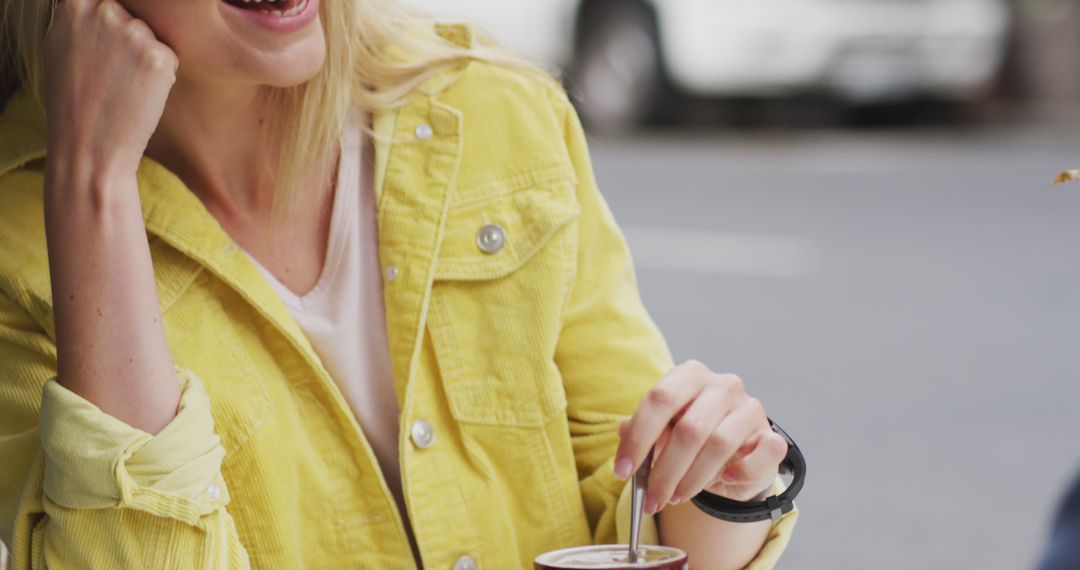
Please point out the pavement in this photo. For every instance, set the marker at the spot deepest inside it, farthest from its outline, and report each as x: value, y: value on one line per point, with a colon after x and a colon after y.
x: 906, y: 303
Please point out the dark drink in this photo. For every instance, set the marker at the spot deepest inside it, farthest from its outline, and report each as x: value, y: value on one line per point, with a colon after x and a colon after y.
x: 612, y: 557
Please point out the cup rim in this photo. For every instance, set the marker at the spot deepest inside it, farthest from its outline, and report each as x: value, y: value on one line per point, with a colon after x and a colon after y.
x: 551, y: 559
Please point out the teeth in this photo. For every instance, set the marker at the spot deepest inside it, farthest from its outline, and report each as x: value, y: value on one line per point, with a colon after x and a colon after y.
x: 296, y: 9
x: 299, y: 7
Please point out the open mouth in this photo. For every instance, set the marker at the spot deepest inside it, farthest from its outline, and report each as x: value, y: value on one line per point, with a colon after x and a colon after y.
x: 283, y: 8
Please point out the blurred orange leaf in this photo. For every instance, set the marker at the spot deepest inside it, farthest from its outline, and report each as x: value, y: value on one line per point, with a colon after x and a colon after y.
x: 1067, y: 176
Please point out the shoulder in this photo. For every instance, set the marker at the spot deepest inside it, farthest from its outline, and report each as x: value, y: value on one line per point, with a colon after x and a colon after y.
x: 508, y: 91
x: 515, y: 125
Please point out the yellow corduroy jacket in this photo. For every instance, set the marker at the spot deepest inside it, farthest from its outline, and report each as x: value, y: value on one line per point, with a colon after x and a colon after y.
x: 523, y: 361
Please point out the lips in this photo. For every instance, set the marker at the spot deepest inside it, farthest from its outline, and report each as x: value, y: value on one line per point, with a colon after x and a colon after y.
x: 282, y: 16
x: 284, y: 8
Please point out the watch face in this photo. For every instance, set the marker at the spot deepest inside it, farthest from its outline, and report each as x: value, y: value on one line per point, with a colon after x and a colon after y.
x: 612, y: 557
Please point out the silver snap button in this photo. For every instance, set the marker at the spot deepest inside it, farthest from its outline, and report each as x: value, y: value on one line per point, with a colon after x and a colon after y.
x: 214, y: 492
x: 424, y: 131
x: 465, y: 563
x: 423, y: 434
x: 391, y: 272
x: 491, y: 238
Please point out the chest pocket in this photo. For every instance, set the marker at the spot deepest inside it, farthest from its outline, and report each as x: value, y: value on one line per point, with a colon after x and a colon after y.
x: 503, y: 274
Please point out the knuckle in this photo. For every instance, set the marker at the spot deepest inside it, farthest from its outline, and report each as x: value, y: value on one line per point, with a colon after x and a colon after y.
x: 731, y: 384
x: 662, y: 396
x: 690, y: 430
x: 137, y: 30
x: 719, y: 441
x: 777, y: 445
x: 756, y: 406
x: 157, y: 62
x: 150, y: 58
x: 110, y: 12
x: 694, y: 365
x: 157, y: 59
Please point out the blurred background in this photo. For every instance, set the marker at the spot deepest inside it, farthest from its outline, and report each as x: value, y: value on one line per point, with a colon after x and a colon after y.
x: 848, y: 202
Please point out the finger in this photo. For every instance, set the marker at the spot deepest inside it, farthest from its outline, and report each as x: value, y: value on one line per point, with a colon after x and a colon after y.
x: 673, y: 392
x: 735, y: 438
x: 750, y: 445
x: 761, y: 466
x: 112, y: 13
x: 154, y: 54
x: 687, y: 437
x: 75, y: 6
x: 698, y: 458
x: 662, y: 441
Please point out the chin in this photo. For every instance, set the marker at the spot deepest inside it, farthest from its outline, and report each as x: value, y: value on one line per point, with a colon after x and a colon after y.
x: 291, y: 71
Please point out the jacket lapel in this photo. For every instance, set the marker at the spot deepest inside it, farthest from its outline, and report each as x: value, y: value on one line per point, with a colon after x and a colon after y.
x: 175, y: 215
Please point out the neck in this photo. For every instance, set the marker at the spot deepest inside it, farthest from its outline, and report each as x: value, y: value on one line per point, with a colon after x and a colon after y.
x: 217, y: 140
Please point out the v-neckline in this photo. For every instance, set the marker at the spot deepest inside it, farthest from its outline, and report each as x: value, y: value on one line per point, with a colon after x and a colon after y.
x: 342, y: 213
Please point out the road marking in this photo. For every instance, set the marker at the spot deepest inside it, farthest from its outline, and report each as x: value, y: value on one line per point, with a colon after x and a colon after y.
x: 721, y: 253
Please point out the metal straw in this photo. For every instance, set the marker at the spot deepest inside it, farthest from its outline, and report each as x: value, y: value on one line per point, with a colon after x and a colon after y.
x: 637, y: 503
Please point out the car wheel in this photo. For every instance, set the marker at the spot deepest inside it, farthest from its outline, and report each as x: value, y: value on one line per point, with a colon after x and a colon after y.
x: 617, y: 75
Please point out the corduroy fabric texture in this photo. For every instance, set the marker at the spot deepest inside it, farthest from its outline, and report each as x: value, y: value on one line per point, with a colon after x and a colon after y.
x: 524, y: 361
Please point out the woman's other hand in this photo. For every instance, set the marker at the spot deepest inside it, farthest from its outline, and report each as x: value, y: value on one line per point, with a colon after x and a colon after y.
x: 709, y: 435
x: 106, y: 81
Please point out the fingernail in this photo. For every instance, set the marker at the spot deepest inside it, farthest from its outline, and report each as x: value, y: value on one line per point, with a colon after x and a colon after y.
x: 675, y: 499
x: 623, y: 467
x: 650, y: 506
x: 729, y: 479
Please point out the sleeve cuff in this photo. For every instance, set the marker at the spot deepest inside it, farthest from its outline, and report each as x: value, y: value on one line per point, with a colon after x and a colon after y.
x: 95, y: 461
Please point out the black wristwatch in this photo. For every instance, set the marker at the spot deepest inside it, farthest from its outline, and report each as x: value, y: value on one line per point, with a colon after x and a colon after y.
x: 772, y: 507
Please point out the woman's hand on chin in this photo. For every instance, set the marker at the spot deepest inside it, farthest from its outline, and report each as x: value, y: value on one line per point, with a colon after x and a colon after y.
x: 106, y: 80
x: 709, y: 435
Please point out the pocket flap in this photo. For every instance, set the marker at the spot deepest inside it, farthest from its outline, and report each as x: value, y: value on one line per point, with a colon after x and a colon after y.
x: 522, y: 221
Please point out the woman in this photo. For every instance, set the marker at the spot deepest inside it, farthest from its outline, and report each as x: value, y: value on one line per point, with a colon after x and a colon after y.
x: 382, y: 305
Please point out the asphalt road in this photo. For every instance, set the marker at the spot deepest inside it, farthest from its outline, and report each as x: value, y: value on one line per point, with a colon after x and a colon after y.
x: 906, y: 304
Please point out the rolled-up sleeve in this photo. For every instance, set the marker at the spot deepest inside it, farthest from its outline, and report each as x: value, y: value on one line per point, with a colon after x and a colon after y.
x: 94, y: 461
x: 81, y: 489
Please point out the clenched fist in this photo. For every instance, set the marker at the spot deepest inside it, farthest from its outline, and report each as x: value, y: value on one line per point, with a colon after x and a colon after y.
x: 107, y: 78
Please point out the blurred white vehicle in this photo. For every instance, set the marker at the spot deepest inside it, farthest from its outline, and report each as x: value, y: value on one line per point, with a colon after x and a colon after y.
x: 623, y: 55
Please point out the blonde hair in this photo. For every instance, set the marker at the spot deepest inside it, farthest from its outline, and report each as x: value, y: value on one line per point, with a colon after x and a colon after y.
x: 360, y: 68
